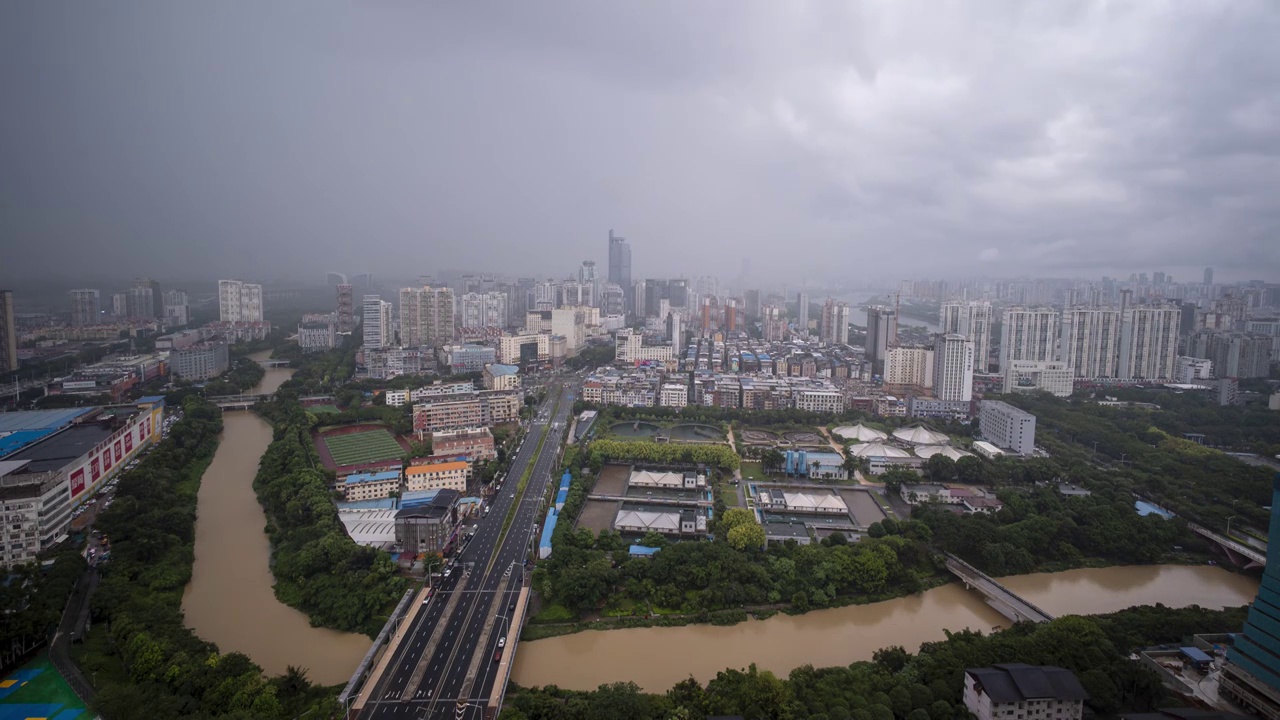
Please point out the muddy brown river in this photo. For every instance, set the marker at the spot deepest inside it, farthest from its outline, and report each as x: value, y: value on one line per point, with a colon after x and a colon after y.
x: 230, y: 599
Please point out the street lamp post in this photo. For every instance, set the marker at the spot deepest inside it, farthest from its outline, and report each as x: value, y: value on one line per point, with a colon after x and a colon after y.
x: 1233, y: 517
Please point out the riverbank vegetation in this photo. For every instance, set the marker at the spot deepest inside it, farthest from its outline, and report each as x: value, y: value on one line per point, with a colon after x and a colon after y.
x: 244, y: 374
x: 926, y: 685
x: 318, y: 568
x: 144, y: 661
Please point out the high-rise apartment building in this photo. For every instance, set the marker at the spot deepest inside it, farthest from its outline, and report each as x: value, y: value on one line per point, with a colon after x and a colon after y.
x: 973, y: 321
x: 833, y: 329
x: 239, y: 301
x: 613, y: 301
x: 1236, y: 355
x: 149, y: 298
x: 577, y: 294
x: 773, y: 324
x: 1091, y: 342
x: 426, y: 316
x: 620, y: 267
x: 1148, y: 343
x: 177, y: 310
x: 1208, y: 276
x: 8, y: 333
x: 377, y: 323
x: 86, y: 307
x: 953, y: 368
x: 802, y: 313
x: 909, y: 366
x: 882, y: 334
x: 346, y: 308
x: 479, y: 310
x: 1028, y: 335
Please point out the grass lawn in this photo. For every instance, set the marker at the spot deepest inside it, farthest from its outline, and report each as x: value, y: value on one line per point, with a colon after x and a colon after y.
x: 729, y: 494
x: 37, y: 690
x: 363, y: 447
x: 752, y: 469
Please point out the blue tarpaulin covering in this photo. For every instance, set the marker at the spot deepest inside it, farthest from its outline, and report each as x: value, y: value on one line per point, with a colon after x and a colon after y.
x: 544, y: 546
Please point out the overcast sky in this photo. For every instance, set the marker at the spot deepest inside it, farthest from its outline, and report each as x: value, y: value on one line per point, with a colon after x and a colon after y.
x: 824, y: 139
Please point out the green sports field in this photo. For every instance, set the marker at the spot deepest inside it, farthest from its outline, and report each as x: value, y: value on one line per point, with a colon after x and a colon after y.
x: 363, y: 447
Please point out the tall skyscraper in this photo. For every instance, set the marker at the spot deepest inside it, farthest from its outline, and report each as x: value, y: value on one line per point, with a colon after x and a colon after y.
x: 1148, y: 343
x: 426, y: 316
x: 346, y: 308
x: 882, y: 334
x: 973, y: 321
x: 953, y: 368
x: 802, y: 312
x: 1028, y: 335
x: 377, y: 323
x: 833, y: 328
x: 612, y: 300
x: 1091, y: 341
x: 587, y: 276
x: 1208, y: 276
x: 86, y: 307
x: 620, y: 268
x: 239, y: 301
x: 1251, y: 675
x: 8, y: 333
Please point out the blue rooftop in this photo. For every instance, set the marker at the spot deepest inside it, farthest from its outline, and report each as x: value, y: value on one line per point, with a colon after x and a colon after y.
x: 379, y: 504
x: 372, y: 477
x: 496, y: 369
x: 1145, y: 508
x: 548, y: 528
x: 151, y: 399
x: 644, y: 550
x: 40, y: 419
x: 1196, y: 654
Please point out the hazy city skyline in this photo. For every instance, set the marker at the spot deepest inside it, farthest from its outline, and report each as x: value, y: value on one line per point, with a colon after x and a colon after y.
x: 880, y: 141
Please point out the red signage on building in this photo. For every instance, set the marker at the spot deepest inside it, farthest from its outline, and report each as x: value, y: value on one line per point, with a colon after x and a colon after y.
x: 95, y: 470
x: 106, y: 460
x: 77, y: 482
x: 128, y: 443
x: 119, y: 453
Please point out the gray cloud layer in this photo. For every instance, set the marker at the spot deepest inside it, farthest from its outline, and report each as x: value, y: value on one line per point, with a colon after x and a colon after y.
x: 814, y: 138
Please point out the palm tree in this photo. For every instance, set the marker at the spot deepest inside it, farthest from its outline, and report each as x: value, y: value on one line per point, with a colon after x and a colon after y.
x: 813, y: 468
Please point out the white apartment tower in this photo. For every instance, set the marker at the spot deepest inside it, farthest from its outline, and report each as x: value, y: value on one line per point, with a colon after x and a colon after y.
x: 909, y: 366
x: 802, y: 312
x: 833, y: 329
x: 377, y: 323
x: 953, y: 368
x: 1028, y: 335
x: 1148, y: 342
x: 239, y: 301
x: 1091, y: 342
x: 973, y: 321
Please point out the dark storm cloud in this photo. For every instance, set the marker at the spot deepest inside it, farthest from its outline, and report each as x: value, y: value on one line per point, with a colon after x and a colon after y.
x: 815, y: 138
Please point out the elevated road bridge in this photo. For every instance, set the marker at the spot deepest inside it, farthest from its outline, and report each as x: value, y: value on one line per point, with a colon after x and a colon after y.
x: 1004, y: 600
x: 1241, y: 554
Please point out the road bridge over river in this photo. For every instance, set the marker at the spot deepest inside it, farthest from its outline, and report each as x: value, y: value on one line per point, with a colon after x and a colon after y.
x: 1004, y: 600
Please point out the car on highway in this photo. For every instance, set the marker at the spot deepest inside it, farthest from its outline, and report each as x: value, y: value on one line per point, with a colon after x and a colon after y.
x: 502, y: 641
x: 497, y: 655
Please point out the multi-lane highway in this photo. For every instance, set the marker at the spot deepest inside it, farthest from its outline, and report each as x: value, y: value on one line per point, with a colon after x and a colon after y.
x: 449, y: 653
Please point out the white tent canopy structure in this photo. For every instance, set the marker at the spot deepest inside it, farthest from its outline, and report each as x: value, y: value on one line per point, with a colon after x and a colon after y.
x: 870, y: 450
x: 920, y: 435
x: 860, y: 433
x: 927, y: 451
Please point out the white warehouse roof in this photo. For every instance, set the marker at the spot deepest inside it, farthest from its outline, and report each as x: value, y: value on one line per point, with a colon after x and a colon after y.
x: 927, y: 451
x: 876, y: 449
